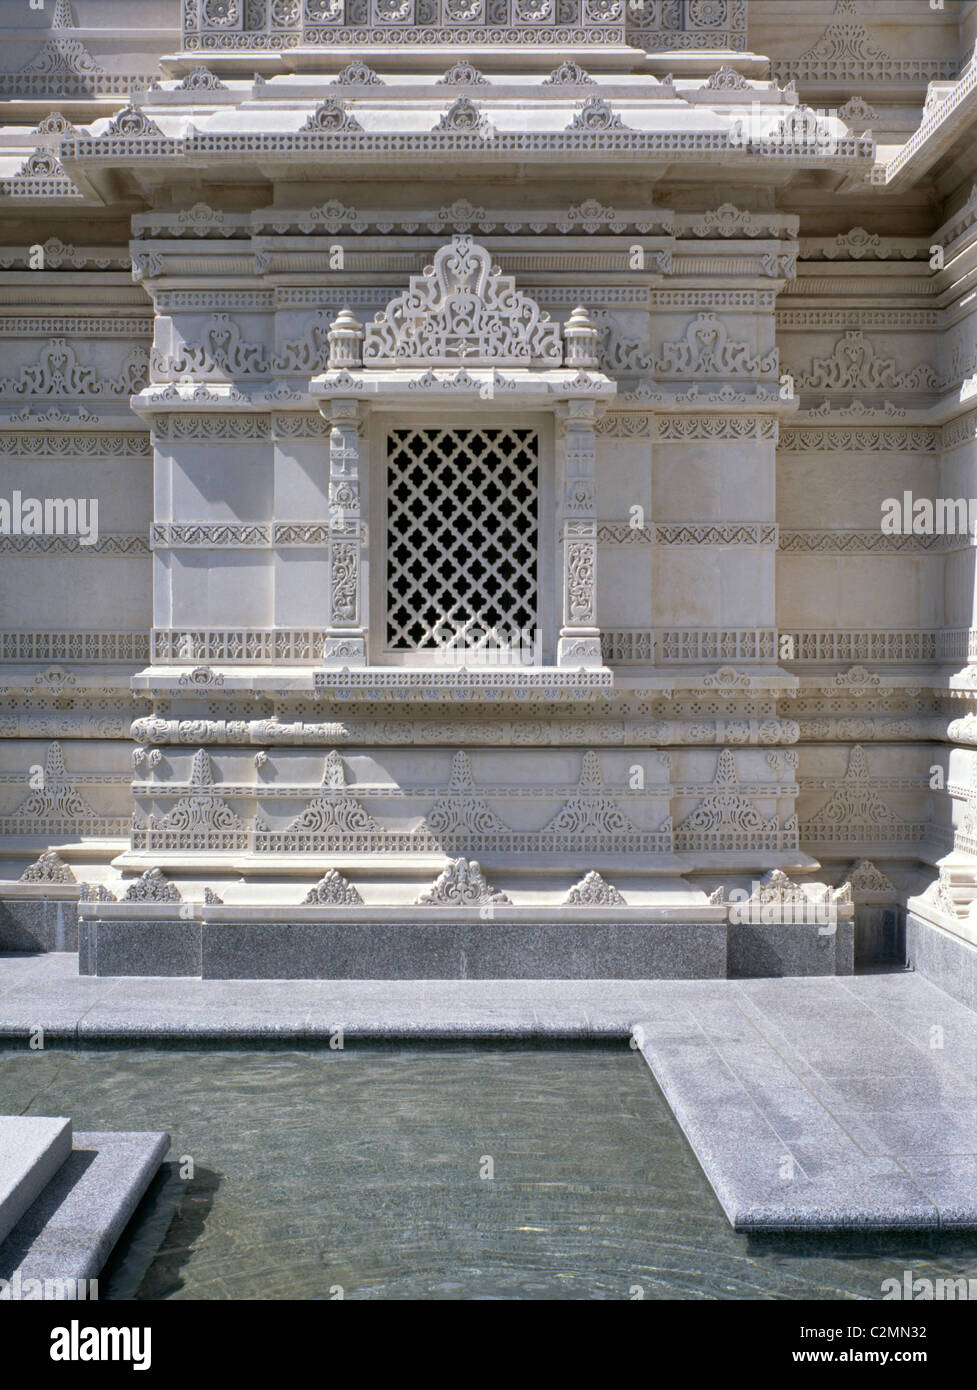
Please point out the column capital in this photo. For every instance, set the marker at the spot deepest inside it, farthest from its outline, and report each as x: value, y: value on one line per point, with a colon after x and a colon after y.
x: 581, y: 412
x: 341, y: 410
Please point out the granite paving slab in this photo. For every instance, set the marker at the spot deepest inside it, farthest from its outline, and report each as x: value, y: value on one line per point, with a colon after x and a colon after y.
x: 826, y: 1106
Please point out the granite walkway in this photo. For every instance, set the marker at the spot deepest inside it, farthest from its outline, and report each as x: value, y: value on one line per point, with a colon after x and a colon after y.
x: 810, y: 1103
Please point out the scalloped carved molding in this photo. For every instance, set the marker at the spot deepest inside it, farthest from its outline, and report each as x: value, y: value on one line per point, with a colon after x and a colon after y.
x: 706, y: 350
x: 58, y: 372
x: 854, y: 365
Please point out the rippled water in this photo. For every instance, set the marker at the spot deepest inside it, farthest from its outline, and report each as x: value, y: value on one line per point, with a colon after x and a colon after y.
x: 361, y: 1169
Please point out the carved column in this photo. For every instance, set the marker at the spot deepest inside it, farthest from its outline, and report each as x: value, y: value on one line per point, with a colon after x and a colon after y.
x: 346, y: 637
x: 579, y: 643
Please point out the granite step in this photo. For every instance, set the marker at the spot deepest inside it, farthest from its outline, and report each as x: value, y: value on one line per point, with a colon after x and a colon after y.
x: 63, y: 1240
x: 32, y: 1150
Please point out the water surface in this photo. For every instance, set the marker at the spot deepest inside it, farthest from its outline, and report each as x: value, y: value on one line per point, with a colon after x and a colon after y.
x: 361, y: 1170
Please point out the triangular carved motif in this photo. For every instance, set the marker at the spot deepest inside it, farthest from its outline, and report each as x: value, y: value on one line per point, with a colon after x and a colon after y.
x: 357, y: 74
x: 202, y: 810
x: 866, y: 877
x: 845, y: 37
x: 594, y: 891
x: 590, y: 811
x: 460, y: 810
x: 333, y: 890
x: 334, y: 808
x: 50, y: 868
x: 855, y: 803
x: 462, y: 309
x: 595, y: 114
x: 132, y: 121
x: 463, y: 75
x: 152, y: 887
x: 464, y: 118
x: 725, y: 809
x: 461, y: 884
x: 56, y: 797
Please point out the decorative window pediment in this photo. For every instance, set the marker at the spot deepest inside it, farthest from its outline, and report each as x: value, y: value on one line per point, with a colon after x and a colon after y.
x: 463, y: 309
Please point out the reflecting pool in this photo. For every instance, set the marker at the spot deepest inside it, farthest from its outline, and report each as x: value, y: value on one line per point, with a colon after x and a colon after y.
x: 430, y: 1171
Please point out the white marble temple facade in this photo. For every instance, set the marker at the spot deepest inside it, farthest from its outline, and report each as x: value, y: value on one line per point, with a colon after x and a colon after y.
x: 372, y: 334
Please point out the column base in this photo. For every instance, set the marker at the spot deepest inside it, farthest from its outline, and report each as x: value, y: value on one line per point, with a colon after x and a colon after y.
x: 579, y: 650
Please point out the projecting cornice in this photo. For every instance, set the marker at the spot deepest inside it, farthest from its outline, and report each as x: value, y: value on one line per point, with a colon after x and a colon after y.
x: 944, y: 137
x: 263, y: 155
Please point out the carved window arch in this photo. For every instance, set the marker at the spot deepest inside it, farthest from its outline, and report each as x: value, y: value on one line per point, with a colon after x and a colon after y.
x: 444, y: 417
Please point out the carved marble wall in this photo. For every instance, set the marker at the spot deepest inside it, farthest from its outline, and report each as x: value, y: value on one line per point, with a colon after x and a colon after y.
x: 681, y: 272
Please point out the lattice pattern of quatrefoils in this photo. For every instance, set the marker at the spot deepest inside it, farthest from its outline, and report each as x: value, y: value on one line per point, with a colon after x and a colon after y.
x: 462, y: 536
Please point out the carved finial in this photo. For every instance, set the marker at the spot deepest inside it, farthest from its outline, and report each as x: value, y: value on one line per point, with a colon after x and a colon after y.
x: 345, y: 341
x: 332, y: 116
x: 581, y: 337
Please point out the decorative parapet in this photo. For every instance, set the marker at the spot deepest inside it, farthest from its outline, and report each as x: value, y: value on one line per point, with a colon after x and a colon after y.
x: 229, y: 27
x: 591, y: 141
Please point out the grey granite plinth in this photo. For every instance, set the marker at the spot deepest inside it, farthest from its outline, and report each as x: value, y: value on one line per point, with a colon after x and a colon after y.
x: 139, y: 948
x: 943, y: 958
x: 37, y: 924
x: 756, y: 950
x: 225, y: 944
x: 68, y: 1233
x: 436, y: 950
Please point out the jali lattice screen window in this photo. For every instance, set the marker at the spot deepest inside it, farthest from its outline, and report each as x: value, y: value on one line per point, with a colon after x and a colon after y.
x: 462, y: 537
